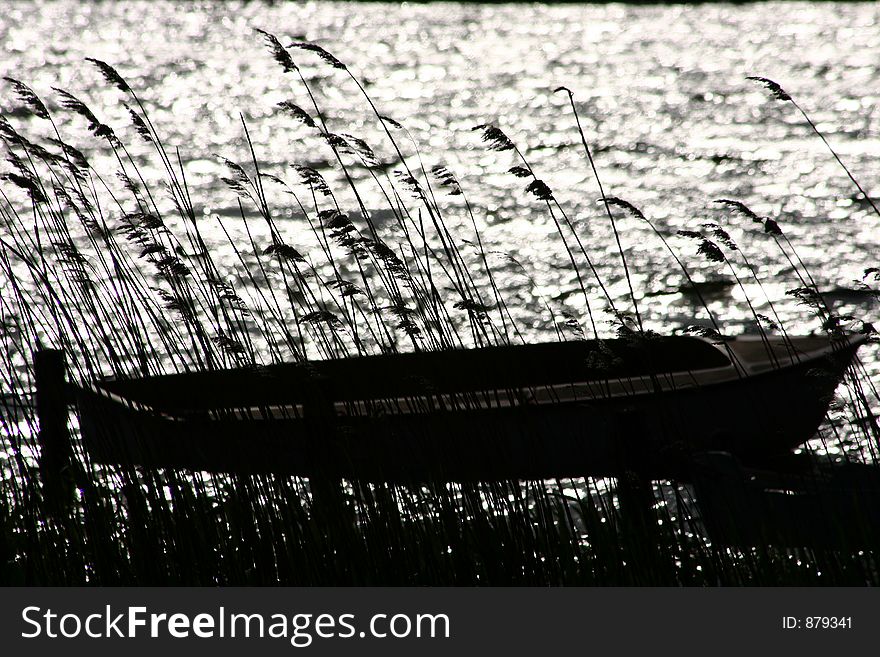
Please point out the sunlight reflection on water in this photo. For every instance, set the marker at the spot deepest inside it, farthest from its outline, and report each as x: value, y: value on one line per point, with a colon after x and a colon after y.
x: 661, y: 92
x: 668, y: 112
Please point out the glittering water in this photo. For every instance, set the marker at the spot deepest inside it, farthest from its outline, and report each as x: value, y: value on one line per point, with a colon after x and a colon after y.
x: 660, y: 91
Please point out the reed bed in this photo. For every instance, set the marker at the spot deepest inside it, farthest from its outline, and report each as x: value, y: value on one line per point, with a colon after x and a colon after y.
x: 110, y: 262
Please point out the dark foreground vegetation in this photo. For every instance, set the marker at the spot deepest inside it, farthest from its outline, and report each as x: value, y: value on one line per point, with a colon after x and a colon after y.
x: 116, y: 271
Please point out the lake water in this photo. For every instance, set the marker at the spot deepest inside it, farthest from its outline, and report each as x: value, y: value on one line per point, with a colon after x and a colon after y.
x: 661, y: 92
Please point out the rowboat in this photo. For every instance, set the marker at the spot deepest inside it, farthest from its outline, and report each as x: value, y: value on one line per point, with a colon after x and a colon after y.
x: 594, y: 407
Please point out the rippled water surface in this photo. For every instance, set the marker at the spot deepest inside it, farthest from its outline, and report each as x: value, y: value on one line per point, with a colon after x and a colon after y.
x: 660, y: 90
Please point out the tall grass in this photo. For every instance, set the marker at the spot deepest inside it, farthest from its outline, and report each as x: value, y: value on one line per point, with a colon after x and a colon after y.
x: 121, y: 271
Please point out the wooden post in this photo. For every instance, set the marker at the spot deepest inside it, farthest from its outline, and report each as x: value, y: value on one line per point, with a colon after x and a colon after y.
x: 330, y: 512
x: 54, y: 438
x: 328, y: 499
x: 635, y: 494
x: 635, y: 489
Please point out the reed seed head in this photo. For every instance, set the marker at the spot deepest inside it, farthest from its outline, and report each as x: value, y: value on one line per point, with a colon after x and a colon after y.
x: 472, y: 306
x: 30, y: 99
x: 75, y: 105
x: 139, y: 125
x: 297, y: 112
x: 774, y: 87
x: 447, y: 179
x: 76, y: 156
x: 279, y: 53
x: 312, y: 178
x: 711, y: 251
x: 495, y: 138
x: 321, y: 317
x: 391, y: 122
x: 229, y: 345
x: 540, y: 190
x: 721, y: 235
x: 705, y: 332
x: 320, y: 52
x: 625, y: 205
x: 742, y: 208
x: 27, y: 184
x: 347, y: 288
x: 361, y: 148
x: 769, y: 323
x: 110, y: 74
x: 284, y: 251
x: 771, y: 227
x: 806, y: 296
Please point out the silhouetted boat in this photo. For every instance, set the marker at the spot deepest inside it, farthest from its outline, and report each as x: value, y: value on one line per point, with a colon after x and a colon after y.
x: 529, y: 411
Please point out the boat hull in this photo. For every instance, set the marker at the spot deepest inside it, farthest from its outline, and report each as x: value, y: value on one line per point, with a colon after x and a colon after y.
x: 751, y: 417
